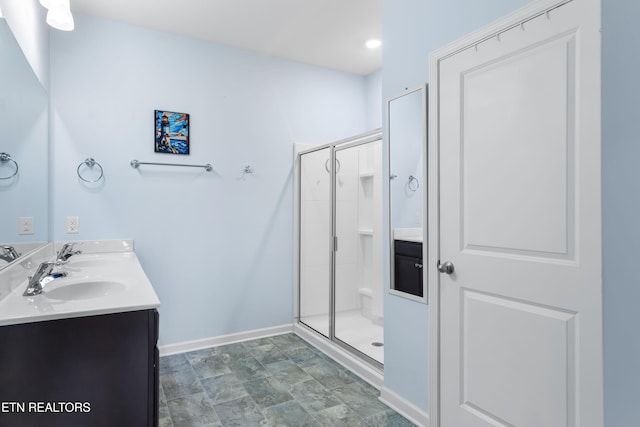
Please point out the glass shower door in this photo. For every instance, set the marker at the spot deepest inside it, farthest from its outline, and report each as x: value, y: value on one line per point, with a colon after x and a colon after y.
x: 315, y: 240
x: 358, y: 259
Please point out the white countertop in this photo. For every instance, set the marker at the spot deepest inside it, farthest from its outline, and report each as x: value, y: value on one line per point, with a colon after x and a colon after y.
x: 408, y: 234
x: 119, y: 266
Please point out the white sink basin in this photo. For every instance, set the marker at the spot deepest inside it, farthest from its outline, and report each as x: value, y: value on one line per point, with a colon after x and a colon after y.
x: 83, y: 290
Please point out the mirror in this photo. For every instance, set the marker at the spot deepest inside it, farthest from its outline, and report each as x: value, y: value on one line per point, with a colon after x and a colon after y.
x: 406, y: 136
x: 24, y: 140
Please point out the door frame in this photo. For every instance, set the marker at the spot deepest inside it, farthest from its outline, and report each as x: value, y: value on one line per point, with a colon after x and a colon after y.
x: 470, y: 41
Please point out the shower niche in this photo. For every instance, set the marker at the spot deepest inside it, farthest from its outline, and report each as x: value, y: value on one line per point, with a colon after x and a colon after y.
x: 340, y: 256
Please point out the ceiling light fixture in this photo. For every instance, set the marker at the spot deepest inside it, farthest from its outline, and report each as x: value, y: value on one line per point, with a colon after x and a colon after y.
x: 373, y: 43
x: 59, y: 14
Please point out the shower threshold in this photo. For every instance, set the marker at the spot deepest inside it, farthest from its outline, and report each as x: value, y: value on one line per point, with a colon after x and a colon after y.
x: 353, y: 329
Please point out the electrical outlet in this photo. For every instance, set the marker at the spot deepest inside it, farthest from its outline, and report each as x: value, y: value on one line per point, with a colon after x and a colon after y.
x: 418, y: 218
x: 25, y: 225
x: 73, y: 225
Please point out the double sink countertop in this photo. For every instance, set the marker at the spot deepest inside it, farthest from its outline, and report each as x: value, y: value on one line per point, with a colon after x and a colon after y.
x: 105, y: 278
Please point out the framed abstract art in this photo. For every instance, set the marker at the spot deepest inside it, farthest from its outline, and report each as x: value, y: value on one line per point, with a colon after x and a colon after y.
x: 171, y: 132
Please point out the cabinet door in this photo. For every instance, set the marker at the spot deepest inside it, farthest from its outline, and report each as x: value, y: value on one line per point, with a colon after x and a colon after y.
x: 154, y: 367
x: 408, y: 274
x: 98, y: 366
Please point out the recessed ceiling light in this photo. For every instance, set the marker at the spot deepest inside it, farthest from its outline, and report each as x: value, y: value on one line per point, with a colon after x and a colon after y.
x: 373, y: 43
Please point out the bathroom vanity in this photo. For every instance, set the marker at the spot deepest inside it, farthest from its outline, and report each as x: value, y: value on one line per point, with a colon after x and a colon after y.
x: 84, y: 352
x: 87, y: 371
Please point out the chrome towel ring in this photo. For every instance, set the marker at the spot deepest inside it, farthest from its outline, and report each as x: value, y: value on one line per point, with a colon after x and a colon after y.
x: 90, y: 162
x: 413, y: 183
x: 5, y: 158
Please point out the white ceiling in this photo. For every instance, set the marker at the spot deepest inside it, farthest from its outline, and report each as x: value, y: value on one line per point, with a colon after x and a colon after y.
x: 327, y: 33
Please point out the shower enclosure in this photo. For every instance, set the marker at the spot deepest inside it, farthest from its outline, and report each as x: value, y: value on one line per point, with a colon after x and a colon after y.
x: 340, y: 248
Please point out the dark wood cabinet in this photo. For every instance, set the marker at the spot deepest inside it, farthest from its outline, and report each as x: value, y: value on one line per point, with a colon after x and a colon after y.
x: 85, y: 371
x: 408, y: 267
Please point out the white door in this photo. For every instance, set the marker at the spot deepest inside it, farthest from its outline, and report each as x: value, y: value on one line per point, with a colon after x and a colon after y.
x: 519, y: 141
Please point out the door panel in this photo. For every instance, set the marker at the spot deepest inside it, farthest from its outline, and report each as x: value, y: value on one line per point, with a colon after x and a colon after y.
x: 519, y: 141
x: 315, y: 240
x: 358, y: 280
x: 513, y: 348
x: 515, y: 138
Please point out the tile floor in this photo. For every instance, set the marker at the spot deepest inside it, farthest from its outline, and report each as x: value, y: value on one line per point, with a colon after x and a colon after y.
x: 275, y: 381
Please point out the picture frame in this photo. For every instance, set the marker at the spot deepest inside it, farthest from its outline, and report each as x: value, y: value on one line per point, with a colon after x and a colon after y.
x: 171, y: 132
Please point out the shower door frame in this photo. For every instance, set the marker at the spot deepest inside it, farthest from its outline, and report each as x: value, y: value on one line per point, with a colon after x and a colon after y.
x: 343, y: 144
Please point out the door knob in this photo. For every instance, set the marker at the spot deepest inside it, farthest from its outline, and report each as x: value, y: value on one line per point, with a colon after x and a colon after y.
x: 447, y: 267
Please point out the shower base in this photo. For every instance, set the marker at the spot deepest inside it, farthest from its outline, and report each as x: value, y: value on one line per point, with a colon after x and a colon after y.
x: 354, y: 329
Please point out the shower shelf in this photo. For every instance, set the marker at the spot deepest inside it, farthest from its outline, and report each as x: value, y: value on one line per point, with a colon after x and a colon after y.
x: 365, y: 232
x: 366, y: 174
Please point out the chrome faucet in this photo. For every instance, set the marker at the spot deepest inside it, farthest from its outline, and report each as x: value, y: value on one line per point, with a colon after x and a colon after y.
x: 9, y: 253
x: 43, y: 275
x: 66, y: 252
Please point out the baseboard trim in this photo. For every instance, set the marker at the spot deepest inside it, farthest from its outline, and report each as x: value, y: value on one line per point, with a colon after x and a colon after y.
x: 181, y: 347
x: 404, y: 407
x: 365, y: 371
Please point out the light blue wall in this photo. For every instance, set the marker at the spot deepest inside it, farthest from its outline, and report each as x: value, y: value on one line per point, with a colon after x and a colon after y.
x: 412, y: 29
x: 216, y: 246
x: 374, y: 100
x: 621, y: 209
x: 26, y: 18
